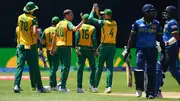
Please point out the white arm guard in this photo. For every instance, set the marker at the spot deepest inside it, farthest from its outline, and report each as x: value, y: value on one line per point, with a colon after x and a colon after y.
x: 172, y: 41
x: 158, y: 46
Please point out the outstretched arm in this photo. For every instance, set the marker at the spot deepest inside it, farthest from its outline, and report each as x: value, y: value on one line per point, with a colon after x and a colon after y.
x: 75, y: 28
x: 95, y: 20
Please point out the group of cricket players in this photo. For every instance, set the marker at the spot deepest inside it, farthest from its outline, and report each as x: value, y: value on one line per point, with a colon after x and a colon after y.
x: 146, y: 32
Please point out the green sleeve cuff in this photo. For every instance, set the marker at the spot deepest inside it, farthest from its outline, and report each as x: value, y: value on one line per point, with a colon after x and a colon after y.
x: 35, y: 22
x: 77, y: 38
x: 95, y: 20
x: 70, y: 26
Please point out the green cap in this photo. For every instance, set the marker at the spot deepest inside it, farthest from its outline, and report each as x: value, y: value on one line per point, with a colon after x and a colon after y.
x: 106, y: 11
x: 30, y: 6
x: 85, y: 16
x: 55, y: 20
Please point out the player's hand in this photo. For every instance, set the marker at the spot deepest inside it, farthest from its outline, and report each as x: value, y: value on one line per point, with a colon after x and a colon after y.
x: 158, y: 46
x: 41, y: 51
x: 97, y: 10
x: 95, y: 5
x: 81, y: 15
x: 42, y: 41
x: 52, y: 51
x: 166, y: 43
x: 125, y: 53
x: 78, y: 52
x: 96, y: 54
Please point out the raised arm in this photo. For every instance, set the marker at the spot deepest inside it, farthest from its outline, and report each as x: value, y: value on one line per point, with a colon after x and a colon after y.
x: 93, y: 19
x: 75, y: 28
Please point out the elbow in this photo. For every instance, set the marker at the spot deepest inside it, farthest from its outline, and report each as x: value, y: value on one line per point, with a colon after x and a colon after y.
x: 75, y: 29
x: 90, y: 18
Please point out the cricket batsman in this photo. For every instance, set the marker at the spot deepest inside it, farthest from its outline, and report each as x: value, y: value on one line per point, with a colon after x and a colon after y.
x: 26, y: 51
x: 107, y: 48
x: 53, y: 60
x: 63, y: 40
x: 85, y: 48
x: 169, y: 57
x: 144, y: 33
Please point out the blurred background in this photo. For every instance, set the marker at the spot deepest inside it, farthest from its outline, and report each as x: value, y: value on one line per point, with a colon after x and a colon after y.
x: 125, y: 12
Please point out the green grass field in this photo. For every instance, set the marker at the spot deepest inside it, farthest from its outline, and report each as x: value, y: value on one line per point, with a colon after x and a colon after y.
x: 119, y: 85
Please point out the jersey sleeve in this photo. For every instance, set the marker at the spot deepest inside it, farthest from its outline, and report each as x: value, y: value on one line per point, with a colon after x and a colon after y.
x: 134, y: 27
x: 95, y: 20
x: 77, y: 38
x: 35, y: 22
x: 94, y: 39
x: 70, y: 26
x: 174, y: 27
x: 44, y: 35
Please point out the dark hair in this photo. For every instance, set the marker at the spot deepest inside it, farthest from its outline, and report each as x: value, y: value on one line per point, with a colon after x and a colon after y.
x: 66, y: 12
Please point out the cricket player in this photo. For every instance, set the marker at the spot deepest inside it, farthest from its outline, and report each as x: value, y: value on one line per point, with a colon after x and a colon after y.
x: 26, y: 51
x: 144, y: 33
x: 63, y: 40
x: 169, y: 57
x: 41, y: 51
x: 107, y: 48
x: 85, y: 48
x: 17, y: 39
x: 53, y: 60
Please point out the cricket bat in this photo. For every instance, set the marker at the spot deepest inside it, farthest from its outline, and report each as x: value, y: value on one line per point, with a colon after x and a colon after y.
x: 128, y: 70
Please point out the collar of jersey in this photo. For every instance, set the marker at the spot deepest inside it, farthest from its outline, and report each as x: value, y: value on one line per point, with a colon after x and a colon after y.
x: 147, y: 22
x: 108, y: 19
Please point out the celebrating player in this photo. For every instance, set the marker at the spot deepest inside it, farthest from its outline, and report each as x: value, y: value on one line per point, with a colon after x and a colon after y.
x: 53, y: 60
x: 85, y: 48
x: 107, y: 47
x: 169, y: 58
x: 63, y: 40
x: 145, y: 31
x: 27, y: 50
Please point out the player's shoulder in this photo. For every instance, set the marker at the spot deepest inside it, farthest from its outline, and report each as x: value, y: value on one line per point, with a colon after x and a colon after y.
x: 91, y: 26
x: 156, y: 21
x: 87, y: 26
x: 110, y: 22
x: 47, y: 29
x: 113, y: 21
x: 17, y: 28
x: 21, y: 15
x: 139, y: 21
x: 173, y: 22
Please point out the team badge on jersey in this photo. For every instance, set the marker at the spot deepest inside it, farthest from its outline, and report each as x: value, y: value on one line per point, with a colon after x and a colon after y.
x: 153, y: 26
x: 174, y: 26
